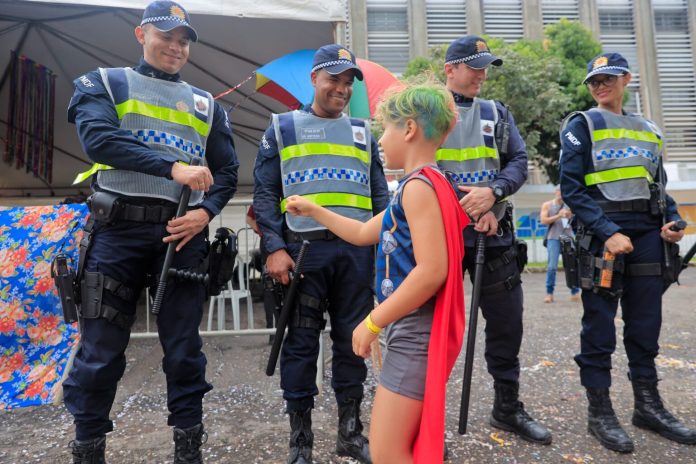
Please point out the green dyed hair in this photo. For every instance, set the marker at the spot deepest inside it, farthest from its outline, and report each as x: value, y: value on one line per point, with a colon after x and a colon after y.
x: 427, y: 102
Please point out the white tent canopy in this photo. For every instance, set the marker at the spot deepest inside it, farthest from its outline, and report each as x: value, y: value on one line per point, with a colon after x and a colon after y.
x: 235, y: 38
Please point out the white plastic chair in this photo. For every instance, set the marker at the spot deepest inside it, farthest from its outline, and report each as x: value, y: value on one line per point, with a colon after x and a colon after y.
x: 235, y: 295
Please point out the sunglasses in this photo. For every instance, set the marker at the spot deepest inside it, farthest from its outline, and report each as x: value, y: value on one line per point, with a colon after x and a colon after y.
x: 608, y: 81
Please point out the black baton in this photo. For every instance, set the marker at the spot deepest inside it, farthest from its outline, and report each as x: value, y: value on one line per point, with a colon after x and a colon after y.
x: 171, y: 248
x: 471, y: 334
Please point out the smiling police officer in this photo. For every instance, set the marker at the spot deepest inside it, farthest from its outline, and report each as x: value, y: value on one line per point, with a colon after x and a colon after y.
x: 142, y: 126
x: 322, y: 154
x: 488, y: 158
x: 611, y: 176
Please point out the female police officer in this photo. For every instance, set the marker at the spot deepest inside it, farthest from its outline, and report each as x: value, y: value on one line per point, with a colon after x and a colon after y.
x: 610, y: 162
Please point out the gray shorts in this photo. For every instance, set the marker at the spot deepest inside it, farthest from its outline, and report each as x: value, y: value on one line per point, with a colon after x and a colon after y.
x: 406, y: 359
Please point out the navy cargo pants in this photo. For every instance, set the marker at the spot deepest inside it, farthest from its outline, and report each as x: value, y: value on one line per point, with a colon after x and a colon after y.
x: 641, y: 310
x: 502, y: 310
x: 341, y: 275
x: 126, y: 251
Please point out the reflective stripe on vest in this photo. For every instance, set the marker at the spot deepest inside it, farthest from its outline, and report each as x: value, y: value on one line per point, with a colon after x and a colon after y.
x: 173, y: 118
x: 334, y: 199
x: 626, y: 151
x: 164, y: 114
x: 307, y: 149
x: 613, y: 175
x: 469, y: 153
x: 327, y: 161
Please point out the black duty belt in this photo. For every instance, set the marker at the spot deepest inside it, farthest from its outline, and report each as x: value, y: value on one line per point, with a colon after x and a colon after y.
x: 628, y: 206
x: 296, y: 237
x: 156, y: 214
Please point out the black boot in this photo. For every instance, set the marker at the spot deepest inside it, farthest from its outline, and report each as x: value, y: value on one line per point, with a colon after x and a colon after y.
x: 88, y: 451
x: 603, y: 424
x: 350, y: 441
x: 509, y: 414
x: 650, y: 413
x: 187, y: 444
x: 301, y: 437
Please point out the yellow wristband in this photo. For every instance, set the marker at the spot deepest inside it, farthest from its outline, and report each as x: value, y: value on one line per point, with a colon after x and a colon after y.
x: 371, y: 326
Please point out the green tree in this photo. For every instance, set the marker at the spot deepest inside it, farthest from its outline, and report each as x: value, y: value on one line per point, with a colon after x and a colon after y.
x: 541, y: 81
x: 574, y: 45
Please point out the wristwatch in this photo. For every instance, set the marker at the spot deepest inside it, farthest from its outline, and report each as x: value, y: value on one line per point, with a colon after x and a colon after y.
x: 498, y: 193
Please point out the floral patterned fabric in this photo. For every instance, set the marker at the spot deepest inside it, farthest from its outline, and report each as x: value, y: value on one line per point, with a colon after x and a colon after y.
x: 35, y: 342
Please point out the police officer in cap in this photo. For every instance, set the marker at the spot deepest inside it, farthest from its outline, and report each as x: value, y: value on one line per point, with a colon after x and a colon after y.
x: 488, y: 170
x: 321, y: 153
x: 610, y: 173
x: 142, y: 126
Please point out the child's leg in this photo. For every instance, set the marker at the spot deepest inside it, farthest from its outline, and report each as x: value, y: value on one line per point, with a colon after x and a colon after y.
x: 393, y: 427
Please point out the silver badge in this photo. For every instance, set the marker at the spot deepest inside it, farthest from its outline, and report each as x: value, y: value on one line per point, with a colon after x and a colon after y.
x: 389, y: 243
x: 387, y: 287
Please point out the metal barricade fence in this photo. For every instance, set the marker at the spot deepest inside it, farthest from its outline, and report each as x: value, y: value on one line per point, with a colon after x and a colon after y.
x: 234, y: 216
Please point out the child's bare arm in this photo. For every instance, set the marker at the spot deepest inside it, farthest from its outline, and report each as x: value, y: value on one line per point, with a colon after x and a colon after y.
x: 430, y: 250
x: 350, y: 230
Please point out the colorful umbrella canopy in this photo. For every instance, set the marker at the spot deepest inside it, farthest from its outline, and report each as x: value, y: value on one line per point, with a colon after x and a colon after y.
x: 287, y: 79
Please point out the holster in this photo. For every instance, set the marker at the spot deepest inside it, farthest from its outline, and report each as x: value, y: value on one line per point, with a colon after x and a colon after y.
x: 569, y: 255
x: 66, y: 282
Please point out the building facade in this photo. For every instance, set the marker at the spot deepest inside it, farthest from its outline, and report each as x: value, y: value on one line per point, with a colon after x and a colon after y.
x: 656, y: 36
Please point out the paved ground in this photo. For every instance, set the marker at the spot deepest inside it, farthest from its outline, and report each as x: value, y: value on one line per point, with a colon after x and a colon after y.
x: 244, y: 414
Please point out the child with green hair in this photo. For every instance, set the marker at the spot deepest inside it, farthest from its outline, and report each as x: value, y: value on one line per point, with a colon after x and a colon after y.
x: 418, y: 277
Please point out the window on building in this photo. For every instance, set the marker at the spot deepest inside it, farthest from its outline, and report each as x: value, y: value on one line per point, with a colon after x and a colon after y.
x: 388, y: 34
x: 617, y: 34
x: 503, y: 18
x: 675, y: 61
x: 446, y: 20
x: 553, y: 10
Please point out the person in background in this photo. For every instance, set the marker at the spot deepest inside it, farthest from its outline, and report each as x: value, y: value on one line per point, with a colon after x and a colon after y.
x: 556, y: 215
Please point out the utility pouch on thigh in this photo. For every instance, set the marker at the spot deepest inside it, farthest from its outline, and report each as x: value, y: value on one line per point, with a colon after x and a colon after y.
x: 92, y: 291
x: 103, y: 206
x: 65, y: 279
x: 569, y: 255
x: 600, y: 267
x: 307, y: 321
x: 672, y: 264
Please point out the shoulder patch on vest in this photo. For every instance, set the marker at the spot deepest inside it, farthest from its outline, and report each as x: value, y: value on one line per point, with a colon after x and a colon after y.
x: 200, y: 103
x: 571, y: 137
x: 85, y: 81
x: 486, y: 127
x: 359, y: 134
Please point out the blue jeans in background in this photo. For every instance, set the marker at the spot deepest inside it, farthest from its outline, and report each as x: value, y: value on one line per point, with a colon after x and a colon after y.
x: 553, y: 247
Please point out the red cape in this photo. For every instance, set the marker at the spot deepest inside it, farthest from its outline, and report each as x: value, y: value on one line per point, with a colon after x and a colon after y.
x: 448, y: 327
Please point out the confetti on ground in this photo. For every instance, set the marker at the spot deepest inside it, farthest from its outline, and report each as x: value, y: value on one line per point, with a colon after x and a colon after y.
x: 495, y: 436
x: 577, y: 458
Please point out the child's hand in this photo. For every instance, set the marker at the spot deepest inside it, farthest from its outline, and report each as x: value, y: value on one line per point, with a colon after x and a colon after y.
x: 362, y: 339
x: 298, y: 206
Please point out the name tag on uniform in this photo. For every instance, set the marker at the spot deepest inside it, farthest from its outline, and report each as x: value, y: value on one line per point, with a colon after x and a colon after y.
x: 312, y: 133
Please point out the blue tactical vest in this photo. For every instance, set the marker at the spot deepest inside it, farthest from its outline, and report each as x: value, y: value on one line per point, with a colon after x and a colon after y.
x: 173, y: 118
x: 327, y: 161
x: 626, y: 151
